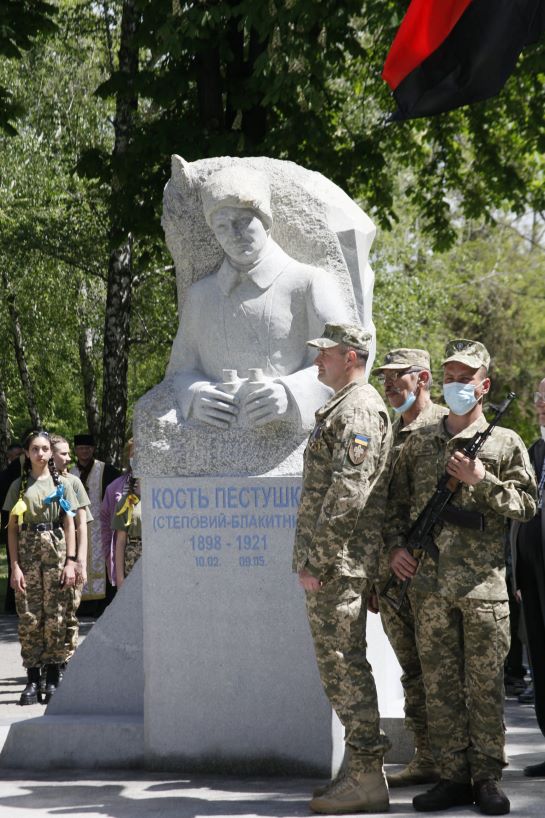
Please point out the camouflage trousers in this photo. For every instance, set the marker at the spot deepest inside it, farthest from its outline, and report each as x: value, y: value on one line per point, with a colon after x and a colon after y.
x: 463, y: 644
x: 72, y: 622
x: 42, y: 605
x: 399, y: 627
x: 133, y: 552
x: 337, y: 615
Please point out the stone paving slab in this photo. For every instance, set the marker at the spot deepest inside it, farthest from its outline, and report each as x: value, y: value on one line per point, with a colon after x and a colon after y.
x: 142, y: 794
x: 146, y: 795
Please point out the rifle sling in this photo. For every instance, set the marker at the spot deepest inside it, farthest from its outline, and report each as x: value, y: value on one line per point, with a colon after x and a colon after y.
x: 462, y: 518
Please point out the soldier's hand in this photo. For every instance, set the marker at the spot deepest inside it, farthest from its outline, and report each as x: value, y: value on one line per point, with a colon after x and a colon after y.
x: 402, y: 564
x: 68, y: 576
x: 214, y: 406
x: 310, y: 583
x: 18, y: 582
x: 269, y: 402
x: 466, y: 470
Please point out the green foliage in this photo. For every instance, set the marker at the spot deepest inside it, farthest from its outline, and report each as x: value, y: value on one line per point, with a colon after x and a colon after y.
x: 54, y: 230
x: 300, y: 80
x: 21, y: 21
x: 292, y: 79
x: 488, y: 286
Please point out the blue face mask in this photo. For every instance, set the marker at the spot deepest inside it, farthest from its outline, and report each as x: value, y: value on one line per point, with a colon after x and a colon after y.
x: 460, y: 397
x: 405, y: 405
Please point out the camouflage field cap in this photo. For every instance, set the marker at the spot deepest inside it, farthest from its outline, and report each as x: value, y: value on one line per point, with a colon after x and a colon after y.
x: 403, y: 359
x: 348, y: 334
x: 464, y: 351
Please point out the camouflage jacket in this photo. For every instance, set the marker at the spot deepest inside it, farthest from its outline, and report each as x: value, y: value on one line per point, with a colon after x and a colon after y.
x: 429, y: 416
x: 471, y: 562
x: 400, y: 433
x: 346, y: 460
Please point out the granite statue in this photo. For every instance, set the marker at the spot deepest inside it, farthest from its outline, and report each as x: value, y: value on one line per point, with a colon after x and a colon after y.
x: 256, y: 312
x: 266, y: 254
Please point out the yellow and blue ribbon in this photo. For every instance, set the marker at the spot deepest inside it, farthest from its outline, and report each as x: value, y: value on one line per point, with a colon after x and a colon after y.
x: 128, y: 506
x: 19, y: 510
x: 58, y: 496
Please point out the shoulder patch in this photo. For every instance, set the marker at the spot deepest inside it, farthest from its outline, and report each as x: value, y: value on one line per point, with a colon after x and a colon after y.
x: 315, y: 436
x: 357, y: 449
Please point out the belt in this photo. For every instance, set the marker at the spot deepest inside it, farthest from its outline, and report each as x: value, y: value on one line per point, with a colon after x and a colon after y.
x: 40, y: 526
x: 462, y: 517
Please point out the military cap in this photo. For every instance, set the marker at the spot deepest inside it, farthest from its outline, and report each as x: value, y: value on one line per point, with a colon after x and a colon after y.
x: 84, y: 439
x: 403, y: 359
x: 471, y: 353
x: 237, y: 186
x: 348, y: 334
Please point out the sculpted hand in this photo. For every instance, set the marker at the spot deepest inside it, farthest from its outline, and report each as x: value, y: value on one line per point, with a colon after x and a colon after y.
x: 402, y: 564
x: 269, y: 402
x: 310, y: 583
x: 213, y: 406
x: 466, y: 470
x: 18, y: 582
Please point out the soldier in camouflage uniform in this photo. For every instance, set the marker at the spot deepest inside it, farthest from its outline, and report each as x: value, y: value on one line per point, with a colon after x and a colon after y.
x: 460, y: 601
x: 406, y: 375
x: 337, y: 547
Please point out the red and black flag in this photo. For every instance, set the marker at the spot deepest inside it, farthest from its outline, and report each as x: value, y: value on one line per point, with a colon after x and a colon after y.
x: 449, y: 53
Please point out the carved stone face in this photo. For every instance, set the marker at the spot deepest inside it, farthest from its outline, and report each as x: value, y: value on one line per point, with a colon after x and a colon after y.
x: 241, y: 234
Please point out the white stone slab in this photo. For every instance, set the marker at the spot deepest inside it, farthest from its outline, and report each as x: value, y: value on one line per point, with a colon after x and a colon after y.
x: 53, y: 742
x: 226, y: 639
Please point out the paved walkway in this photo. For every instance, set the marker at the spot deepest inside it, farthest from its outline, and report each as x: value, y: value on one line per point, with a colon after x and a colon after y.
x: 141, y: 794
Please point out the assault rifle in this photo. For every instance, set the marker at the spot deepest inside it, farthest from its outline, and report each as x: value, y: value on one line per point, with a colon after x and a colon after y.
x: 420, y: 537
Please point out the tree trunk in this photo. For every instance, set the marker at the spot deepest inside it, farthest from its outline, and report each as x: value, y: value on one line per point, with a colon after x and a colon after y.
x: 235, y: 68
x: 120, y: 271
x: 4, y: 427
x: 20, y: 356
x: 254, y: 121
x: 85, y: 346
x: 85, y: 342
x: 209, y: 89
x: 116, y: 354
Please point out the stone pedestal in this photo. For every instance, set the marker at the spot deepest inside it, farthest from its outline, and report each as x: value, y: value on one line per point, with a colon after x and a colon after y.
x: 231, y: 681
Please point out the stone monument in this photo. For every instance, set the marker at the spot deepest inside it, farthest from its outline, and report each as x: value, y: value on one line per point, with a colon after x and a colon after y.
x: 250, y: 302
x: 266, y: 253
x: 221, y: 660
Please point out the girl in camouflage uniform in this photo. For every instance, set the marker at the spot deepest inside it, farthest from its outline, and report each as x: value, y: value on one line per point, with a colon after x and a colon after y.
x: 42, y: 551
x: 61, y: 456
x: 127, y: 522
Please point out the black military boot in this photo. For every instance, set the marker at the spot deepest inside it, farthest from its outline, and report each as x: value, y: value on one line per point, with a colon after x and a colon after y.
x: 43, y: 682
x: 51, y: 681
x: 30, y: 693
x: 62, y: 669
x: 490, y: 797
x: 445, y: 794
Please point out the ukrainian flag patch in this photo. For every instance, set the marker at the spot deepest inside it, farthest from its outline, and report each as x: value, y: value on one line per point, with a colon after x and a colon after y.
x: 358, y: 449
